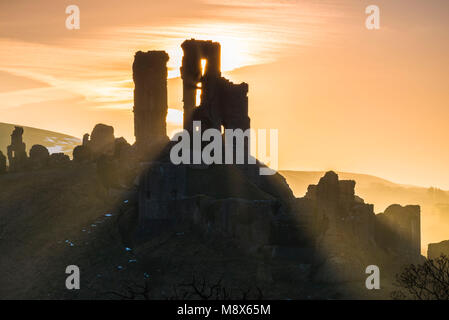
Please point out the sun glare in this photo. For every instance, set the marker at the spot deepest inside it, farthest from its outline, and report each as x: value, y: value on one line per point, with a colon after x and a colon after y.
x: 241, y: 44
x: 175, y: 116
x: 203, y: 66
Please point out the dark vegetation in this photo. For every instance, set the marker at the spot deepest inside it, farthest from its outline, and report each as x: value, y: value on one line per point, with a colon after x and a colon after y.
x: 426, y: 281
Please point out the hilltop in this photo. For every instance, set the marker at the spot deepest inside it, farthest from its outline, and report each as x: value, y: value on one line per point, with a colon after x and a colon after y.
x: 378, y: 191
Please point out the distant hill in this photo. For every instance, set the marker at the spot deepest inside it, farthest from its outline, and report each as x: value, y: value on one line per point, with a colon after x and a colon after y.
x: 55, y: 142
x: 375, y: 190
x: 382, y: 193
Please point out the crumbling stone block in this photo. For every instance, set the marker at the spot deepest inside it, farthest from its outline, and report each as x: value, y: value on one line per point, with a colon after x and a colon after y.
x: 122, y: 148
x: 223, y: 103
x: 81, y: 154
x: 102, y: 141
x: 435, y: 250
x: 399, y: 228
x: 39, y: 156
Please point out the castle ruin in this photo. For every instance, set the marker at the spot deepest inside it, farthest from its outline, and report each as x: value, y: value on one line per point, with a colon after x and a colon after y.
x: 208, y: 97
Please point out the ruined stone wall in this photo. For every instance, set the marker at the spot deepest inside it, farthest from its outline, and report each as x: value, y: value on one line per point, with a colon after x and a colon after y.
x: 349, y: 236
x: 223, y: 103
x: 338, y: 216
x: 191, y: 71
x: 399, y: 228
x: 161, y: 187
x: 101, y: 142
x: 164, y: 201
x: 437, y: 249
x: 340, y: 219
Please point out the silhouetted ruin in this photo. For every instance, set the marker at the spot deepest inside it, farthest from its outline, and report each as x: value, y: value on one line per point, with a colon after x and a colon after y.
x: 81, y: 153
x: 39, y: 156
x: 322, y: 228
x: 348, y: 231
x: 200, y: 58
x: 17, y: 156
x: 150, y: 98
x: 435, y: 250
x: 207, y: 96
x: 101, y: 140
x: 400, y: 229
x: 330, y: 232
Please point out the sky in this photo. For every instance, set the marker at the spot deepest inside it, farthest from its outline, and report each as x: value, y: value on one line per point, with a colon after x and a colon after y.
x: 342, y: 97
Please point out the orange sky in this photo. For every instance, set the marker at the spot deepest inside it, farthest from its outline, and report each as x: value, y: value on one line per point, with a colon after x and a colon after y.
x: 342, y: 97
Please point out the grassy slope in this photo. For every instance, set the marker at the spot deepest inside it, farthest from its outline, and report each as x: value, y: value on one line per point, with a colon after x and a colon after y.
x: 40, y: 211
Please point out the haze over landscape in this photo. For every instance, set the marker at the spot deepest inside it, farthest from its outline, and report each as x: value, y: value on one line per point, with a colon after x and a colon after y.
x: 377, y: 191
x: 90, y: 180
x: 342, y: 97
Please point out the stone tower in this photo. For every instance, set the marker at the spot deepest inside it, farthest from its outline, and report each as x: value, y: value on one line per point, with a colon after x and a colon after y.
x: 150, y: 97
x: 192, y: 73
x: 17, y: 156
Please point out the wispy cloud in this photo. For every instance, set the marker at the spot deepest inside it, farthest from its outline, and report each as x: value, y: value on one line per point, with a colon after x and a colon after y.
x: 97, y: 65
